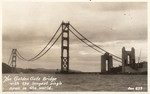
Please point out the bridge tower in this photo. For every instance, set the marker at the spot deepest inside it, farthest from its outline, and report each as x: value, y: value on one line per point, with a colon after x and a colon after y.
x: 13, y: 61
x: 104, y: 58
x: 128, y: 59
x: 65, y: 48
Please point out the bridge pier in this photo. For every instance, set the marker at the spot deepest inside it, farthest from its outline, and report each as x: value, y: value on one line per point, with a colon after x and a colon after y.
x: 128, y: 59
x: 104, y: 58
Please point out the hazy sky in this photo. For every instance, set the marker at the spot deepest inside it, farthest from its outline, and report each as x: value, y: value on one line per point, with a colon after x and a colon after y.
x: 28, y: 26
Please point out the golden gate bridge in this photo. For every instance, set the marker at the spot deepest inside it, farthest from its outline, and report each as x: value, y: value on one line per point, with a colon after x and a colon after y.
x: 67, y: 28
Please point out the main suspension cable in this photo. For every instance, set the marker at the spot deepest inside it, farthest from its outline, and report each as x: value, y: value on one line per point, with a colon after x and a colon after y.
x: 85, y: 42
x: 42, y: 49
x: 89, y: 45
x: 93, y: 43
x: 49, y: 47
x: 18, y: 54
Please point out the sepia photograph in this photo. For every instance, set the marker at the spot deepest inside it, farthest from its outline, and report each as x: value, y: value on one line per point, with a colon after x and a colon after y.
x: 74, y: 46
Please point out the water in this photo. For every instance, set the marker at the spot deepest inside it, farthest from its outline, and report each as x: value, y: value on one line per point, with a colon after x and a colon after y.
x: 86, y: 82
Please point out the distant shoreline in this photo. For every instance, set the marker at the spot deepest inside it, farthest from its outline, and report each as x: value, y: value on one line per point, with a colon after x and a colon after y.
x: 85, y: 73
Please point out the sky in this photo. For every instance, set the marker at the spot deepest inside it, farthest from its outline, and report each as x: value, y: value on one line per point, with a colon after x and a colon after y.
x: 28, y: 27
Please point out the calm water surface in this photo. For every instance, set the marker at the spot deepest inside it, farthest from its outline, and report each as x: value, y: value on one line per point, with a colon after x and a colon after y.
x: 87, y: 82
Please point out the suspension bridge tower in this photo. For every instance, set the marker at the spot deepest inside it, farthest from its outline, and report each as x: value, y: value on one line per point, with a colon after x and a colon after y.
x: 65, y: 48
x: 13, y: 61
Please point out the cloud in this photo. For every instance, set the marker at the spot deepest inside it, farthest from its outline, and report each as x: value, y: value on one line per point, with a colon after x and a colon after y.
x: 116, y: 6
x: 37, y: 21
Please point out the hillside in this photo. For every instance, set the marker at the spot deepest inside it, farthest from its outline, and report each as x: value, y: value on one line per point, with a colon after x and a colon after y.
x: 6, y: 68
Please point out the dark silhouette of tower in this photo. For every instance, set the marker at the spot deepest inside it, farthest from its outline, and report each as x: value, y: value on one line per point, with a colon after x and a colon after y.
x: 65, y: 48
x: 13, y: 61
